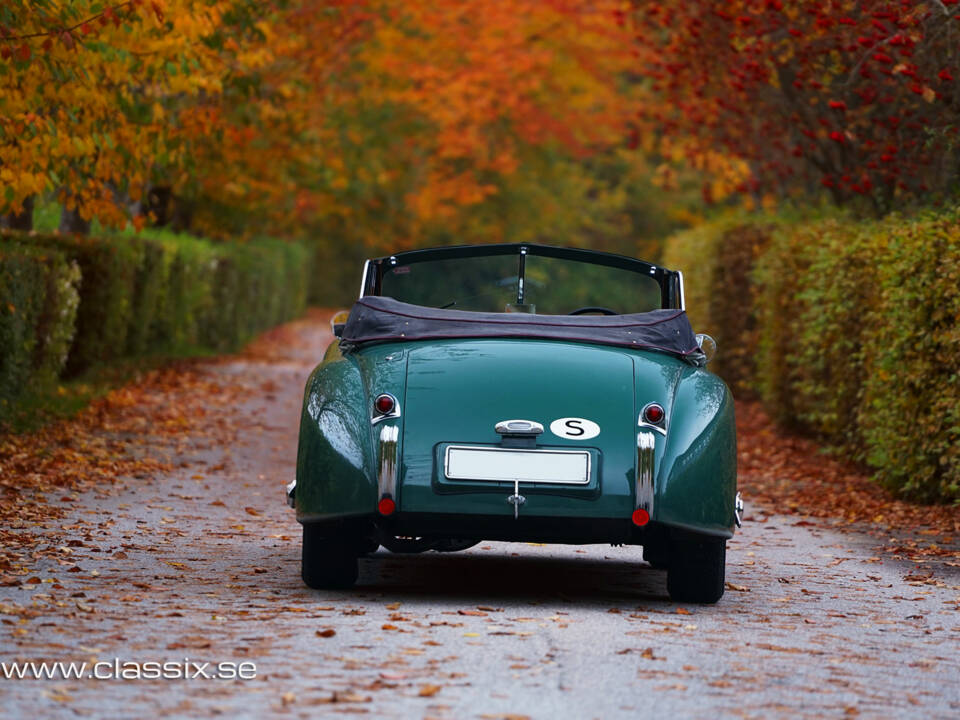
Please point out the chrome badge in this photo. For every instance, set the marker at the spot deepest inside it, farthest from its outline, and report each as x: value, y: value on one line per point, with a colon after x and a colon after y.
x: 518, y: 428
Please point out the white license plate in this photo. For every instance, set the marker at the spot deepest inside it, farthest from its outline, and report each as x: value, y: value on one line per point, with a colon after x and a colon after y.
x: 563, y: 467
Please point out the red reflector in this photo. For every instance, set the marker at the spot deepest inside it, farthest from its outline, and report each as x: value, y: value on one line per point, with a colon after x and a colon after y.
x: 384, y: 404
x: 386, y: 506
x: 653, y: 413
x: 641, y: 517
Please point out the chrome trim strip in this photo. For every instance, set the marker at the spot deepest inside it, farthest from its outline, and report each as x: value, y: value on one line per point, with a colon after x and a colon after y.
x: 683, y: 299
x: 387, y: 478
x: 738, y: 510
x: 488, y: 448
x: 648, y: 426
x: 395, y: 413
x: 363, y: 279
x: 291, y: 493
x: 646, y: 452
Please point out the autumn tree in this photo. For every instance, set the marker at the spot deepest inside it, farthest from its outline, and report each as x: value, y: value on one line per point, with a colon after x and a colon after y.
x: 857, y: 97
x: 101, y: 102
x: 449, y: 103
x: 81, y: 97
x: 367, y: 121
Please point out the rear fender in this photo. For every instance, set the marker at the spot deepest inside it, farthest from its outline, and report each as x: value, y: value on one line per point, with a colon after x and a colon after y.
x: 697, y: 477
x: 337, y: 456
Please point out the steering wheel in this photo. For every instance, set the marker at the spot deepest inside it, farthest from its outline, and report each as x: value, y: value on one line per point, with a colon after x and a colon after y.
x: 593, y: 309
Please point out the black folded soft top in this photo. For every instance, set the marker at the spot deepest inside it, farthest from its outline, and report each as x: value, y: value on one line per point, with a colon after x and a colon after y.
x: 376, y: 319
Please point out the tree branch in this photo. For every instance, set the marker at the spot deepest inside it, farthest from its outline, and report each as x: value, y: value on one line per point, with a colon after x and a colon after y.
x: 48, y: 33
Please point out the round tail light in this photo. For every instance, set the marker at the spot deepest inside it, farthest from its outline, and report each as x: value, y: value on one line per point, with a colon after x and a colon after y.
x: 640, y: 517
x: 653, y: 413
x: 386, y: 506
x: 384, y: 404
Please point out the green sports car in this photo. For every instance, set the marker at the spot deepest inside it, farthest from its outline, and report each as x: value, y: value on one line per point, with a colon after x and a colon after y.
x: 517, y: 392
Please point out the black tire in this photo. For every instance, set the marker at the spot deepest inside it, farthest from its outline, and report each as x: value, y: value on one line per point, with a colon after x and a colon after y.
x: 656, y: 556
x: 697, y: 570
x: 328, y: 563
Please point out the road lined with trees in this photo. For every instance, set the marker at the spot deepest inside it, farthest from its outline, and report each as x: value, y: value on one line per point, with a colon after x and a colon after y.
x: 165, y: 536
x: 179, y: 176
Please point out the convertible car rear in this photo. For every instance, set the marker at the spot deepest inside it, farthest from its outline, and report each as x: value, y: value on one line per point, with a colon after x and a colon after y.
x: 518, y: 393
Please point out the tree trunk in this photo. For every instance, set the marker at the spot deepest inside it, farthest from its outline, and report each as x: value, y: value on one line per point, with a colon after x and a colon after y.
x: 158, y: 204
x: 72, y: 223
x: 22, y: 220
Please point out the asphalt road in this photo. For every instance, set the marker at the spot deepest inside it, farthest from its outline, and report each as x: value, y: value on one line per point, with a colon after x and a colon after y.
x: 203, y: 564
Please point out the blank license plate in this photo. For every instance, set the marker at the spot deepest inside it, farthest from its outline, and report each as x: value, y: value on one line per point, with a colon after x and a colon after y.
x: 565, y: 467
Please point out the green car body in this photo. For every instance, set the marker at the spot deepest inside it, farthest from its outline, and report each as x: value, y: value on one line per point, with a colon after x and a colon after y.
x: 454, y: 392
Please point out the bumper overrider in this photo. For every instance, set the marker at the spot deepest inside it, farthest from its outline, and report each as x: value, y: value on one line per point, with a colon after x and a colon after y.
x: 291, y: 493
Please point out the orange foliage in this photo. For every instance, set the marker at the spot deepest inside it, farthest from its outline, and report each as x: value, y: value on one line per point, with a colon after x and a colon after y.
x: 248, y: 110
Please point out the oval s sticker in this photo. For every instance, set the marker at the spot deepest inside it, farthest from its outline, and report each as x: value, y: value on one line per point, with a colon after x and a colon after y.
x: 574, y: 428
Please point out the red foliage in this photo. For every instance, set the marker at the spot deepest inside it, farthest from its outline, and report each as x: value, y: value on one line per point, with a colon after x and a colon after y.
x: 757, y: 79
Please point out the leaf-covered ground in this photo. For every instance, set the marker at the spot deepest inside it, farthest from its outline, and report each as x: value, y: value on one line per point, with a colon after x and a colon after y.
x: 792, y: 475
x: 153, y: 528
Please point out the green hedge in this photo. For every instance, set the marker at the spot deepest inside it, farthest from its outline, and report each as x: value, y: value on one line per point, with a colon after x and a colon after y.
x: 71, y: 303
x: 848, y: 329
x: 38, y: 308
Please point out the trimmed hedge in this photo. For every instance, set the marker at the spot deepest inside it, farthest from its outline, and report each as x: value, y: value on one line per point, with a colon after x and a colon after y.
x: 71, y: 303
x: 717, y: 260
x: 847, y: 329
x: 38, y: 307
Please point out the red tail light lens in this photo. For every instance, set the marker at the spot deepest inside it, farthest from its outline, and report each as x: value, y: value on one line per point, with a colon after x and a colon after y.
x: 640, y: 517
x: 384, y: 404
x: 653, y: 413
x: 386, y: 506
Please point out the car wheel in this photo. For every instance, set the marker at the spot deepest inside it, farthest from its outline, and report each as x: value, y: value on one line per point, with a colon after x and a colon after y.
x: 656, y: 556
x: 327, y: 563
x: 696, y: 571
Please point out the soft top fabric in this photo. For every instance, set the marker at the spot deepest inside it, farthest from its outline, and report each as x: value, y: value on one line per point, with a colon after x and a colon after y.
x: 382, y: 319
